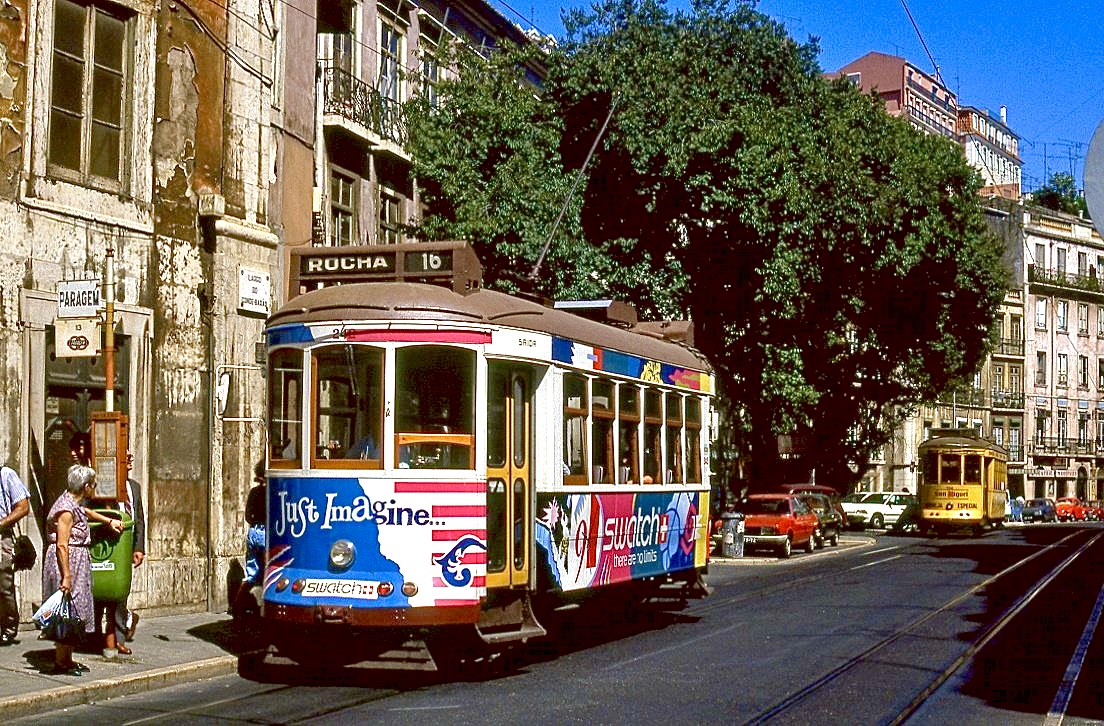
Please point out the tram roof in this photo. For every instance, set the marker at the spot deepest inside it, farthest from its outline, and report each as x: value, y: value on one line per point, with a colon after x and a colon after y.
x: 952, y: 441
x: 417, y: 301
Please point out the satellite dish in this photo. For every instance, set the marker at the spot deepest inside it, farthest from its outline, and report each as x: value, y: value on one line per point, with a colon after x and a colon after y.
x: 1094, y: 179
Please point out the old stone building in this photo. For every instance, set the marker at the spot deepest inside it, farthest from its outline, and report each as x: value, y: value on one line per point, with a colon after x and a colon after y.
x: 187, y: 146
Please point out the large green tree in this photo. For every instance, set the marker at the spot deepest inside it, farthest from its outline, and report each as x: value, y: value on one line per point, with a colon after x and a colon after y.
x: 835, y: 260
x: 1061, y: 194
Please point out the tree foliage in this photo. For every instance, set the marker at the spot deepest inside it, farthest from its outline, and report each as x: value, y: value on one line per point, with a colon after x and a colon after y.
x: 1060, y: 193
x: 835, y: 261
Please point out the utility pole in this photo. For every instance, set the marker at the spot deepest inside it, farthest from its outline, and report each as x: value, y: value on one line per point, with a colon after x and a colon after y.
x: 109, y: 331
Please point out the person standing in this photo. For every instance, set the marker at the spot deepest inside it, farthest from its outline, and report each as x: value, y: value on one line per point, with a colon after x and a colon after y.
x: 119, y: 622
x: 67, y: 565
x: 256, y: 509
x: 15, y: 502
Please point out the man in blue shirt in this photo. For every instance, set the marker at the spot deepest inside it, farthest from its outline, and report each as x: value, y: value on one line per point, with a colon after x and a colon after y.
x: 15, y: 502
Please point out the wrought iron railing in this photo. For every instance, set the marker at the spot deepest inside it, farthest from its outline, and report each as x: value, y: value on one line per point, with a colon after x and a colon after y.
x: 347, y: 96
x: 1010, y: 346
x: 1007, y: 399
x: 1061, y: 278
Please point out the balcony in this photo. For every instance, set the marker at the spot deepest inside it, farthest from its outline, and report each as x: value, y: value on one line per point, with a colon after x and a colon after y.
x: 368, y: 113
x: 1064, y: 447
x: 1015, y: 453
x: 1010, y: 347
x: 1062, y: 279
x: 1007, y: 399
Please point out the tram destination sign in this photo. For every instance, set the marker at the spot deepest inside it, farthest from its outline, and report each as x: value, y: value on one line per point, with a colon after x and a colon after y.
x: 452, y: 263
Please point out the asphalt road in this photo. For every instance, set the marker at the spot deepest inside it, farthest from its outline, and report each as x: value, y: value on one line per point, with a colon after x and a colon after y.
x: 999, y: 629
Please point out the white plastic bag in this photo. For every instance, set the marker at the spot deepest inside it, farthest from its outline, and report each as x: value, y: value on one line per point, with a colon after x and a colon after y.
x: 46, y: 611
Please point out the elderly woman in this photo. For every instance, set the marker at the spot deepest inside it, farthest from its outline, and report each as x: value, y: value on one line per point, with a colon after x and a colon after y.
x: 67, y: 565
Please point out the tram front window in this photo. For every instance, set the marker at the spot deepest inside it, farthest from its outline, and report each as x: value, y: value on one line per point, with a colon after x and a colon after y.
x: 348, y: 405
x: 434, y: 406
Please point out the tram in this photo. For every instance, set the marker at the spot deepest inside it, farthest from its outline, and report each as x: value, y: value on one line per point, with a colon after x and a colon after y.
x: 963, y: 482
x: 449, y: 466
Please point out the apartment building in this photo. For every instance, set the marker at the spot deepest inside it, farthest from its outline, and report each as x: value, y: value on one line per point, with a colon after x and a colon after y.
x: 1064, y: 353
x: 992, y: 149
x: 987, y: 142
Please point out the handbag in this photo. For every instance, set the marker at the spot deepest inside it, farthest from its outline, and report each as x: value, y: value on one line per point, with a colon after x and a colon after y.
x: 24, y: 553
x: 64, y: 625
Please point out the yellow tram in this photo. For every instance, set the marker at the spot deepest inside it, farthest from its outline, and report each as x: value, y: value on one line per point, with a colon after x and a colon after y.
x: 963, y: 482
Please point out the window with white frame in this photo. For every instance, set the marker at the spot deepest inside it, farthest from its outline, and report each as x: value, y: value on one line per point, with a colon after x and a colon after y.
x: 1082, y: 371
x: 1040, y: 255
x: 1040, y: 368
x: 390, y: 59
x: 1060, y: 263
x: 1100, y: 321
x: 90, y: 78
x: 1082, y: 264
x: 1041, y: 314
x: 1061, y: 314
x: 1082, y: 318
x: 1063, y: 369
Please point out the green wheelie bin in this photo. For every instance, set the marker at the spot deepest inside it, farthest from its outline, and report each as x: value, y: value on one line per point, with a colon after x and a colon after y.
x: 112, y: 557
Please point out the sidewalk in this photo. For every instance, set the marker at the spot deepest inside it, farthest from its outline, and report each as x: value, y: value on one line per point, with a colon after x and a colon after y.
x: 167, y: 651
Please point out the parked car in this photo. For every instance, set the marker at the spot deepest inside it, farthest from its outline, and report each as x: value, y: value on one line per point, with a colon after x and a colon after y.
x: 1096, y: 510
x: 877, y: 509
x: 1040, y: 510
x: 833, y: 496
x: 1070, y: 509
x: 779, y: 522
x: 829, y: 521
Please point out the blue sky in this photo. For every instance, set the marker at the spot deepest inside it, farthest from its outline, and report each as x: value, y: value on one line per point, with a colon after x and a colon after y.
x: 1044, y: 61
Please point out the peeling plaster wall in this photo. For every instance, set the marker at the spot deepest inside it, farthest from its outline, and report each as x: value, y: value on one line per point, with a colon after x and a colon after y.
x: 13, y: 91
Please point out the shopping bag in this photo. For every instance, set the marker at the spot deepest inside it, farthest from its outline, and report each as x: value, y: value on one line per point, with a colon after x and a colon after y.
x: 45, y: 611
x: 64, y: 626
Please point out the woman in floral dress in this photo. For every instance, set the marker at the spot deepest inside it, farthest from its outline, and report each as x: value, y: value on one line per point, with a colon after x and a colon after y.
x: 68, y: 565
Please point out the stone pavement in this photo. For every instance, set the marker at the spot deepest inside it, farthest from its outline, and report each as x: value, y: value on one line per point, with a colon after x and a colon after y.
x: 168, y: 650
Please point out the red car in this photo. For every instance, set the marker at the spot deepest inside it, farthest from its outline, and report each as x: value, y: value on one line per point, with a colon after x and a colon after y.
x: 1071, y: 509
x: 779, y: 522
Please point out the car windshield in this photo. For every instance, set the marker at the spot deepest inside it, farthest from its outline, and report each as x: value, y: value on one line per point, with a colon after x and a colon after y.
x: 857, y: 497
x: 765, y: 506
x: 1036, y: 503
x: 876, y: 498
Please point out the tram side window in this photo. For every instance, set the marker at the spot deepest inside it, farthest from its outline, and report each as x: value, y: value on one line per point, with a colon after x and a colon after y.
x: 601, y: 443
x: 348, y: 405
x: 673, y: 472
x: 629, y: 433
x: 930, y: 472
x: 693, y: 440
x: 434, y: 406
x: 575, y: 406
x: 653, y: 436
x: 285, y: 388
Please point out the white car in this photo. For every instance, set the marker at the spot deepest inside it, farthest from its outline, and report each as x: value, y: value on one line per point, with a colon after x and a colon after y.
x: 876, y: 509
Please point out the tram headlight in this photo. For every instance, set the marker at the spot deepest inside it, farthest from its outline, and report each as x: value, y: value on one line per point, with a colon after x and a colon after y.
x: 342, y: 554
x: 409, y: 589
x: 385, y: 588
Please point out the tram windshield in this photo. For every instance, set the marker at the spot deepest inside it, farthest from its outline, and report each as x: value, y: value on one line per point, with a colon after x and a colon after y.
x: 348, y: 405
x: 434, y: 407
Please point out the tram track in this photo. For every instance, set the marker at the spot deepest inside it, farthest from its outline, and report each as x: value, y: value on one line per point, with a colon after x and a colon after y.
x: 797, y: 698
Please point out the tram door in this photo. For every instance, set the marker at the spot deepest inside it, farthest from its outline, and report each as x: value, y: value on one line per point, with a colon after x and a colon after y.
x: 509, y: 483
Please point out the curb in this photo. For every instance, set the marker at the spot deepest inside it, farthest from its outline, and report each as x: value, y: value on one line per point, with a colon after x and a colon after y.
x: 52, y: 699
x: 856, y: 541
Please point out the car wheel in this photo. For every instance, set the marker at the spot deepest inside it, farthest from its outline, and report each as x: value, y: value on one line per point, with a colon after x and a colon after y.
x: 811, y: 545
x: 834, y: 539
x: 876, y: 521
x: 786, y: 548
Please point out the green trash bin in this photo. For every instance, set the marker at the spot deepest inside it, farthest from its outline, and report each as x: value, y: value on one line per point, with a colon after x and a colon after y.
x: 112, y: 557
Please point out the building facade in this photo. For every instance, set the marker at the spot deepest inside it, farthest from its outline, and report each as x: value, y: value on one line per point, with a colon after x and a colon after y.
x: 992, y: 149
x: 186, y: 147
